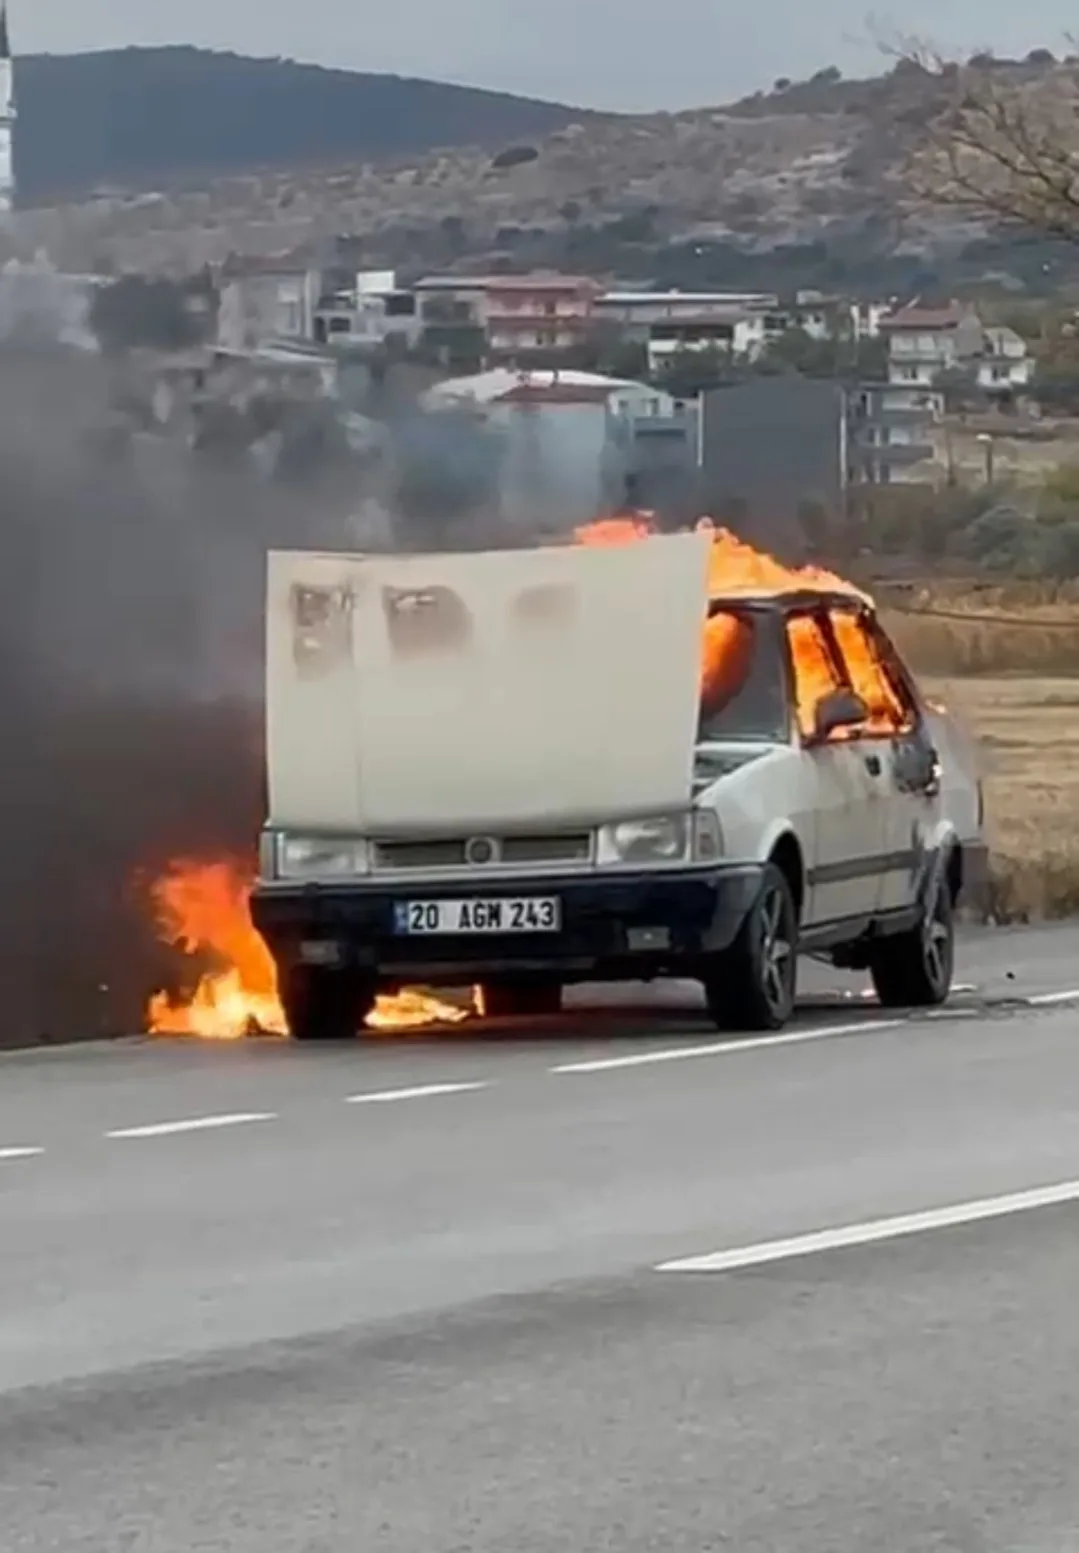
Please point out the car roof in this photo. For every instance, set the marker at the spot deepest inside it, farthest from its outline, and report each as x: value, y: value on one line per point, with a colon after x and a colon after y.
x: 789, y: 603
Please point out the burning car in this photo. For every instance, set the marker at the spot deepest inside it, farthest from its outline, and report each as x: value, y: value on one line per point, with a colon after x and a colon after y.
x: 619, y: 760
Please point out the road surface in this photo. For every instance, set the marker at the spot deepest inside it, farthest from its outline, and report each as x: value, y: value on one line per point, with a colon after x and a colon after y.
x: 605, y: 1283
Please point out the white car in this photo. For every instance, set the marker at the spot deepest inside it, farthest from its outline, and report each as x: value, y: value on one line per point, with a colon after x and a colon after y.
x: 813, y: 802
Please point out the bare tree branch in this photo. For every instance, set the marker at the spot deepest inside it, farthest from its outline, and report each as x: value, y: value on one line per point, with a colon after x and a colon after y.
x: 995, y: 139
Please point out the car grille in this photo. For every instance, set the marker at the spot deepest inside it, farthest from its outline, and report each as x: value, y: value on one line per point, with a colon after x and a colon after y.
x: 521, y: 850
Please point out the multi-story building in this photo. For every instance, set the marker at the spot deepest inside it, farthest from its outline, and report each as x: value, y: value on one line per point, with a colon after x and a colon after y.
x: 1005, y: 365
x: 670, y: 322
x: 264, y: 300
x: 518, y: 314
x: 576, y: 443
x: 369, y: 310
x: 893, y: 434
x: 928, y: 345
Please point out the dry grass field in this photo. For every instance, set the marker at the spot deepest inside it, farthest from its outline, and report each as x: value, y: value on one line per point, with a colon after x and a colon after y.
x: 1012, y: 676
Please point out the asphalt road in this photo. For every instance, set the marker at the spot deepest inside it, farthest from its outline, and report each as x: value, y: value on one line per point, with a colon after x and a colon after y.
x: 408, y: 1296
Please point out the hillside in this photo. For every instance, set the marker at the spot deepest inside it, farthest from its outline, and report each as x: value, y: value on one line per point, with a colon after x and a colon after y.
x: 802, y: 185
x: 134, y: 117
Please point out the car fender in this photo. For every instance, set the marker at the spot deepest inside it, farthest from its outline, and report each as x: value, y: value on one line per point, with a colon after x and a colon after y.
x: 758, y: 803
x: 939, y: 843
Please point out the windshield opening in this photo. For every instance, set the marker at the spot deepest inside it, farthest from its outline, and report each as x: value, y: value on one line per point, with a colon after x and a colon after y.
x: 743, y: 682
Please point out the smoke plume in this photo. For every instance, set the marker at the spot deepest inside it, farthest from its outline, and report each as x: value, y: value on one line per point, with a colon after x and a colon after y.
x: 131, y: 591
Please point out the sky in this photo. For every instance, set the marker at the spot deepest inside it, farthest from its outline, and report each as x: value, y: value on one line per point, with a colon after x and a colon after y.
x: 614, y: 54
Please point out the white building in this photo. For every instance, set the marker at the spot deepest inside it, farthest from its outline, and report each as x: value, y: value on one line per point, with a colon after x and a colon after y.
x: 831, y: 317
x: 1005, y: 363
x: 273, y: 300
x: 40, y: 305
x: 671, y: 322
x: 7, y: 117
x: 370, y: 311
x: 926, y: 344
x: 569, y: 438
x: 894, y: 434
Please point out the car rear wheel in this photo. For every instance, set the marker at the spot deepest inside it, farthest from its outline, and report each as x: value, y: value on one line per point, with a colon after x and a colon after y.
x: 326, y: 1005
x: 752, y: 984
x: 915, y: 969
x: 521, y: 997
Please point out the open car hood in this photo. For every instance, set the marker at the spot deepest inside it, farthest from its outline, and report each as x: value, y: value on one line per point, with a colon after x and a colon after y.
x: 470, y: 692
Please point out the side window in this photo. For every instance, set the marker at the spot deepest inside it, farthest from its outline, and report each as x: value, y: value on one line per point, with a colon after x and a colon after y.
x: 816, y: 672
x: 890, y: 709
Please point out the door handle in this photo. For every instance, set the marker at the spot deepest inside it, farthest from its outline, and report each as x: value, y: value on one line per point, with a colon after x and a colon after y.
x: 872, y: 765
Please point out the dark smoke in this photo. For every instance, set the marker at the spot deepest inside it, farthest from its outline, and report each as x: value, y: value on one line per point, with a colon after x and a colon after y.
x: 131, y: 587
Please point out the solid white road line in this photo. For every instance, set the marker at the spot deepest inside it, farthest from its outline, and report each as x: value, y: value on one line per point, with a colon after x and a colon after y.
x: 1047, y: 999
x: 876, y: 1229
x: 727, y: 1048
x: 20, y: 1153
x: 419, y: 1092
x: 192, y: 1124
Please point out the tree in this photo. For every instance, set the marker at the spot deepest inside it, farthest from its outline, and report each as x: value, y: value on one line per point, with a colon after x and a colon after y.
x: 999, y: 143
x: 139, y: 311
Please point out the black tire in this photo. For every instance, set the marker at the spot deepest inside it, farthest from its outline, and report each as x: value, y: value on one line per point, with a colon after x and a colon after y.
x: 753, y: 983
x: 915, y: 969
x: 326, y: 1005
x: 521, y: 997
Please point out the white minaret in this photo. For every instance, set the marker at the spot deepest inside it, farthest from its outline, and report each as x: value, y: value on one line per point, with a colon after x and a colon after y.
x: 7, y: 117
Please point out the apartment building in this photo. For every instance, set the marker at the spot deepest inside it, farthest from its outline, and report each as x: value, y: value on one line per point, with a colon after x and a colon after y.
x: 544, y: 311
x: 893, y: 434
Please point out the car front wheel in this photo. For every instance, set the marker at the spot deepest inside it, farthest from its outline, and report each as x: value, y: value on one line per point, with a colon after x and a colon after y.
x: 325, y: 1005
x: 752, y: 984
x: 521, y: 997
x: 914, y: 969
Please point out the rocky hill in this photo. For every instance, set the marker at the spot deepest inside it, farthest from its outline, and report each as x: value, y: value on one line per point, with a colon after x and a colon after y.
x: 135, y: 117
x: 809, y: 163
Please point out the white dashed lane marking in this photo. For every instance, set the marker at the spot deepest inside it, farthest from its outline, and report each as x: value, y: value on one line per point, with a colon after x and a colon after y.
x: 193, y: 1124
x: 418, y: 1092
x: 20, y: 1153
x: 874, y: 1230
x: 726, y: 1048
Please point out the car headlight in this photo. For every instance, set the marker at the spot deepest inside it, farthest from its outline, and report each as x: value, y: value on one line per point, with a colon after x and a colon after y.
x: 320, y: 857
x: 662, y: 838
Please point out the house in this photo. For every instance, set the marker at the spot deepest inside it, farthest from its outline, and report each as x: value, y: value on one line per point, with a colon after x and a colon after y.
x: 1004, y: 365
x: 825, y: 317
x: 577, y: 443
x: 267, y: 299
x: 369, y: 309
x: 543, y: 311
x: 893, y: 432
x: 539, y: 312
x: 670, y: 322
x: 926, y: 345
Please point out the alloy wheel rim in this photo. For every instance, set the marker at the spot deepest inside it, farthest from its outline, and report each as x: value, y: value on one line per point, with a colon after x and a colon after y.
x: 936, y: 939
x: 777, y: 951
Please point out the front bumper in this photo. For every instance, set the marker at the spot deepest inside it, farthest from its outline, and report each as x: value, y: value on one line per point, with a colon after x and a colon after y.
x: 614, y: 927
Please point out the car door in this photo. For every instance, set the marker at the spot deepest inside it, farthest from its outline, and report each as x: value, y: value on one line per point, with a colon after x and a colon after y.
x: 842, y: 784
x: 893, y: 739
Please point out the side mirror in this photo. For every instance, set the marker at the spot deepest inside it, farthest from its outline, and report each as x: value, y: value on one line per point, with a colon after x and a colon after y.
x: 838, y: 709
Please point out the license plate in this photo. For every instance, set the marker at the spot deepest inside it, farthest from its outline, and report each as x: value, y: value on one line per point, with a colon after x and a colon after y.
x: 517, y: 914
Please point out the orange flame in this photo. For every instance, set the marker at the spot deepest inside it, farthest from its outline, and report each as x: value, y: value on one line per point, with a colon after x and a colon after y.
x: 737, y: 570
x: 202, y: 908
